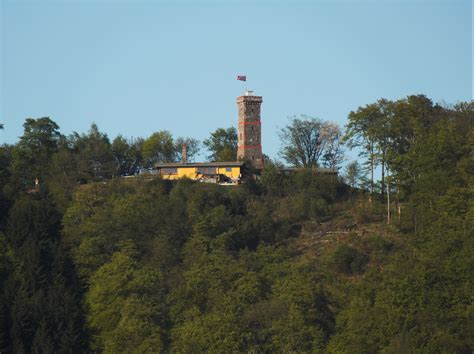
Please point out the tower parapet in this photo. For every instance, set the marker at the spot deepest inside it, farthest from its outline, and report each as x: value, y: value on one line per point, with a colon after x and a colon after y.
x: 250, y: 130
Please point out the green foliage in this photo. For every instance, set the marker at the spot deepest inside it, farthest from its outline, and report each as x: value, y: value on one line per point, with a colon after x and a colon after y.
x: 303, y: 141
x: 192, y: 148
x: 124, y: 305
x: 159, y: 147
x: 31, y: 156
x: 95, y: 158
x: 421, y: 301
x: 63, y: 177
x: 40, y: 298
x: 426, y: 309
x: 254, y: 303
x: 282, y: 263
x: 273, y: 181
x: 128, y: 155
x: 348, y: 260
x: 353, y: 174
x: 5, y: 202
x: 222, y: 144
x: 365, y: 211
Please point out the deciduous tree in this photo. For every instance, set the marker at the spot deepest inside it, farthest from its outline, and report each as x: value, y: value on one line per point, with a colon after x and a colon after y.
x: 94, y: 151
x: 127, y: 154
x: 303, y: 141
x: 159, y: 147
x: 222, y: 145
x: 333, y: 154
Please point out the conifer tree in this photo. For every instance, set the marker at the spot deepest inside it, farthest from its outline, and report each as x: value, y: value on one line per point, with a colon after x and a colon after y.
x: 43, y: 302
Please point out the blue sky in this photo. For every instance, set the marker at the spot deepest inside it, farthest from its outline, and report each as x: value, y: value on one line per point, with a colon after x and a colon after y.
x: 135, y: 67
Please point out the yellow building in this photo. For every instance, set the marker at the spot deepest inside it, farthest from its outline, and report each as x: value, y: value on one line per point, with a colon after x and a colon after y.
x: 218, y: 172
x: 249, y: 148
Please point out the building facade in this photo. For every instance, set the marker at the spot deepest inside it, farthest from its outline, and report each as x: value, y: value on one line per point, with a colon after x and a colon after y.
x: 249, y: 150
x: 217, y: 172
x: 250, y: 129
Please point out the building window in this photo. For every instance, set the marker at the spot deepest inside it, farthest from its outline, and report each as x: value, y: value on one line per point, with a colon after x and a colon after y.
x: 169, y: 171
x: 207, y: 170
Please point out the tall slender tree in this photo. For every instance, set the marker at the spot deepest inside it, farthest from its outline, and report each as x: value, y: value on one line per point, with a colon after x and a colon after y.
x: 333, y: 154
x: 32, y: 155
x: 94, y: 152
x: 360, y: 134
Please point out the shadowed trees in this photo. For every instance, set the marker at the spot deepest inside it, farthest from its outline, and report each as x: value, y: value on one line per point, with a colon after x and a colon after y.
x: 32, y: 155
x: 282, y: 263
x: 43, y: 311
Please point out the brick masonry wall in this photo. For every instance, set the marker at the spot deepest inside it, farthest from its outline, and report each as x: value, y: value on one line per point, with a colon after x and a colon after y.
x: 249, y: 130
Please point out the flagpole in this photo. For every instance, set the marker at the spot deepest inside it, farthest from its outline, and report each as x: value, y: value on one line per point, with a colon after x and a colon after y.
x: 243, y: 78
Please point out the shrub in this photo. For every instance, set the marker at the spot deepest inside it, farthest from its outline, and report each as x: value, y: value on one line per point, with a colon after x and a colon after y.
x: 365, y: 212
x: 348, y: 260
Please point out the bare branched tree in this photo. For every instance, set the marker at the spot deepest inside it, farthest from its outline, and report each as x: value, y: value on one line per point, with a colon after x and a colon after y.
x: 192, y: 148
x: 334, y: 150
x: 306, y: 139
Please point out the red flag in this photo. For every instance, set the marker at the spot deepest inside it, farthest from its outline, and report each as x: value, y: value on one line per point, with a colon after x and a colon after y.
x: 241, y: 77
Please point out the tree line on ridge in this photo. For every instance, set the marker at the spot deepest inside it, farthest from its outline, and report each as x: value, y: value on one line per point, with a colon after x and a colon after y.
x: 285, y: 263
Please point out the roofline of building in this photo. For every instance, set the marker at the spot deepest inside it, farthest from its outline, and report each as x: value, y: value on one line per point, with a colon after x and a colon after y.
x: 317, y: 169
x: 199, y: 164
x: 235, y: 164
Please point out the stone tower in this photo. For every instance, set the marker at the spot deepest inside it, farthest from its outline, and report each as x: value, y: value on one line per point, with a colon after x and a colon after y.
x: 250, y: 130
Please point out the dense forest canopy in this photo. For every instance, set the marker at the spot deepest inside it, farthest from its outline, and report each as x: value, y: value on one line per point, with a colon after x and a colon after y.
x: 92, y: 262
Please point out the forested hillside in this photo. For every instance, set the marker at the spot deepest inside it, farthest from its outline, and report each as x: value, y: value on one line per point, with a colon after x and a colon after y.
x: 91, y: 262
